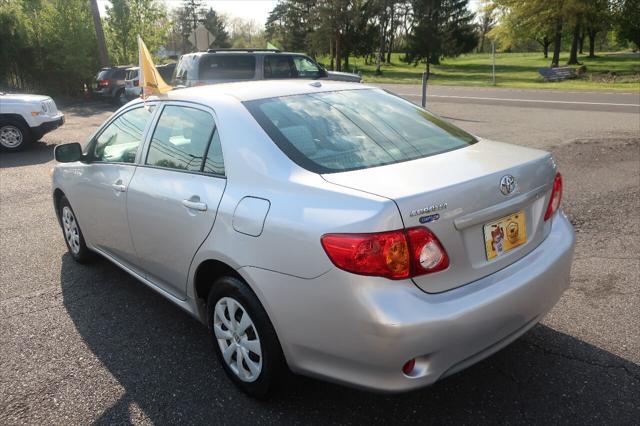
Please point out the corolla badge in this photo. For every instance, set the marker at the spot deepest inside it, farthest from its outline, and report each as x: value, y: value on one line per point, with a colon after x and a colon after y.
x: 428, y: 209
x: 508, y: 184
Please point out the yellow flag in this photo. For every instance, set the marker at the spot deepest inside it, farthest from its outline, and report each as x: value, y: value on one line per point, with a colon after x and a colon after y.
x: 151, y: 81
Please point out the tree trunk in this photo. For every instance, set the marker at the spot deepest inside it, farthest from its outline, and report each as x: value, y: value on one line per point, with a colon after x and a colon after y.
x: 331, y: 53
x: 481, y: 48
x: 573, y: 55
x: 557, y: 43
x: 97, y: 23
x: 592, y: 43
x: 546, y: 42
x: 581, y: 42
x: 338, y: 53
x: 380, y: 55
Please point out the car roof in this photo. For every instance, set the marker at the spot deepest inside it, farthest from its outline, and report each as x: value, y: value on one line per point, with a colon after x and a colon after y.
x: 261, y: 89
x: 244, y: 52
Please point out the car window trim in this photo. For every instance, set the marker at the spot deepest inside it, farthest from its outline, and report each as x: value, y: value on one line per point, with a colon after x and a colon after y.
x: 141, y: 162
x: 94, y: 139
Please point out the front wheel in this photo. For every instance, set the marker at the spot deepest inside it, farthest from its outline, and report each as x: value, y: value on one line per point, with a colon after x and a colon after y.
x: 72, y: 234
x: 14, y: 136
x: 244, y: 339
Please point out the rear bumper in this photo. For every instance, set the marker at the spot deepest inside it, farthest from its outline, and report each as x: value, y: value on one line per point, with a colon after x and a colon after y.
x: 132, y: 92
x: 361, y: 330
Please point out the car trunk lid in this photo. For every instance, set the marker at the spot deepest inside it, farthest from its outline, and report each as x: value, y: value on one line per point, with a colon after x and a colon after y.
x: 455, y: 194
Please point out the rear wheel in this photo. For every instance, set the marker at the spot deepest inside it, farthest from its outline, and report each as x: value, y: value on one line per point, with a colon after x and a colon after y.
x: 72, y: 234
x: 14, y: 136
x: 244, y: 339
x: 120, y: 98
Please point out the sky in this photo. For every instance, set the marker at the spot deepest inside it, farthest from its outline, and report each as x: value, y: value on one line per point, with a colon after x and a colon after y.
x: 257, y: 10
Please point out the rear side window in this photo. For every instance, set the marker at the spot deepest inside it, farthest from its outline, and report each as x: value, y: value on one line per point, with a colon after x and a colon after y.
x: 181, y: 138
x: 166, y: 72
x: 227, y: 67
x: 354, y: 129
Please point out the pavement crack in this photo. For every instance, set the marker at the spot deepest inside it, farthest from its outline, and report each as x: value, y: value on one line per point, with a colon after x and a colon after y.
x: 547, y: 351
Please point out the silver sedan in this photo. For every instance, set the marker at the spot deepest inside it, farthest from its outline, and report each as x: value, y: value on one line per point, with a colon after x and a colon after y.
x: 329, y: 229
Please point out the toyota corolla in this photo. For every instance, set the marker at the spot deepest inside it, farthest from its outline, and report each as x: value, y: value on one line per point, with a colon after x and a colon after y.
x: 329, y: 229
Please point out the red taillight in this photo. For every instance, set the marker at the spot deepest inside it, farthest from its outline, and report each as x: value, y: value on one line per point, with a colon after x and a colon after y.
x: 556, y: 197
x: 136, y: 83
x: 394, y: 254
x: 103, y: 83
x: 408, y: 367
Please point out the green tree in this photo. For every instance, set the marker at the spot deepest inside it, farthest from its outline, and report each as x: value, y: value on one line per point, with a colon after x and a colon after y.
x: 443, y: 28
x: 47, y: 46
x: 627, y: 15
x: 126, y: 19
x: 216, y: 26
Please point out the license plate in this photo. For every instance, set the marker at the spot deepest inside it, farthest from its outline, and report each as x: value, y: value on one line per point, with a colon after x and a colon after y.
x: 503, y: 235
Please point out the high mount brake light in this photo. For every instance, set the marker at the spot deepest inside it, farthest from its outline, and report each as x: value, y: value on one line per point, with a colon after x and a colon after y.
x: 556, y: 197
x: 394, y: 254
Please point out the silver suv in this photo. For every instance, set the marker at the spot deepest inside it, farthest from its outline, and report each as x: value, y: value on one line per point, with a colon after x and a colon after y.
x: 224, y: 65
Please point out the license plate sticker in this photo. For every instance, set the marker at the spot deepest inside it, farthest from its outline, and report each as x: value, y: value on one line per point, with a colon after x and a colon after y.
x: 503, y: 235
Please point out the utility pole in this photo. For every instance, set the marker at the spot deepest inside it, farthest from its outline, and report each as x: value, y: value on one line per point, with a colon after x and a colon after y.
x: 97, y: 23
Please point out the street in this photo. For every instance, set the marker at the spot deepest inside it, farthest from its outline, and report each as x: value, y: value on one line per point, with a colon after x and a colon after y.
x: 87, y: 343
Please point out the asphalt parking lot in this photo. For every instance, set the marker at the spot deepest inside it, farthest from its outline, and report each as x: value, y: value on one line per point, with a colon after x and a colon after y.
x: 82, y: 344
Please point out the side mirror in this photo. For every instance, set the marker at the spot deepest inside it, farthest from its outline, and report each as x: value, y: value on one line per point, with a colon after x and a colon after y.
x: 68, y: 153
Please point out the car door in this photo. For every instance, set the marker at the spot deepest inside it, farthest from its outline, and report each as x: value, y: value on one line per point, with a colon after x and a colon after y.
x: 99, y: 196
x: 174, y: 195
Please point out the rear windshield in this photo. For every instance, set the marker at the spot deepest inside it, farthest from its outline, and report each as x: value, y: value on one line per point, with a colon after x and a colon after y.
x: 102, y: 75
x: 354, y: 129
x: 227, y: 67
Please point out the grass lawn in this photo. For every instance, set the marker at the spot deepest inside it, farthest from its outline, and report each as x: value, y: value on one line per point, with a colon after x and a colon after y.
x: 518, y: 70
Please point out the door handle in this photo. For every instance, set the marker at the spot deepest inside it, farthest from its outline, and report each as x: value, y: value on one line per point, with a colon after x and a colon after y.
x: 195, y: 205
x: 119, y: 187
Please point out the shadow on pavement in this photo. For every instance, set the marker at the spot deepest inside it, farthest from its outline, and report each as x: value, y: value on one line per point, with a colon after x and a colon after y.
x: 38, y: 152
x: 164, y: 361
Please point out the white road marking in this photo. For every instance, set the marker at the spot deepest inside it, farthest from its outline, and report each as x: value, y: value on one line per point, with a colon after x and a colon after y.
x: 519, y: 100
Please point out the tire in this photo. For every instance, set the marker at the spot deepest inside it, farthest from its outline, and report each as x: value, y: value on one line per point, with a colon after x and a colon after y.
x: 120, y: 98
x: 72, y: 233
x: 272, y: 366
x: 14, y: 135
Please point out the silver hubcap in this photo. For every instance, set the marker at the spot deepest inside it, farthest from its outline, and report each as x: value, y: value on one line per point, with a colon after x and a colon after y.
x: 10, y: 136
x: 238, y: 339
x: 71, y: 232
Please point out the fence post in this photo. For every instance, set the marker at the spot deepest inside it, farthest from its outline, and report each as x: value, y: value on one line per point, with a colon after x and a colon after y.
x: 425, y: 76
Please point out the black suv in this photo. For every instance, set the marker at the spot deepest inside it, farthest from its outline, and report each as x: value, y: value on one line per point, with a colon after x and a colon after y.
x: 109, y: 84
x: 224, y: 65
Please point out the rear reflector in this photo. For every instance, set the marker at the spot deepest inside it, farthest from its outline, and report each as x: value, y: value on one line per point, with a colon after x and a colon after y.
x: 408, y: 367
x: 395, y: 254
x: 556, y: 197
